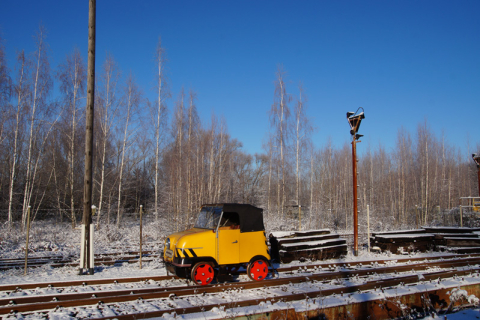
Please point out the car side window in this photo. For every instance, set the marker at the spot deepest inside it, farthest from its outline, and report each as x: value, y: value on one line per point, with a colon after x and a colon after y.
x: 230, y: 220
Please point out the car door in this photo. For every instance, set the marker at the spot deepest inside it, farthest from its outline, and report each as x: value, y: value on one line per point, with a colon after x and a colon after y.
x: 228, y: 239
x: 228, y: 246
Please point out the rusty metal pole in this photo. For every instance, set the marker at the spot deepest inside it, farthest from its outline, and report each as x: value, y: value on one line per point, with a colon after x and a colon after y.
x: 478, y: 181
x: 354, y: 119
x: 355, y: 208
x: 88, y: 177
x: 476, y: 158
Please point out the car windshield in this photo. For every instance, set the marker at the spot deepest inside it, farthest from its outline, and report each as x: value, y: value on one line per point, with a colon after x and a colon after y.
x: 208, y: 218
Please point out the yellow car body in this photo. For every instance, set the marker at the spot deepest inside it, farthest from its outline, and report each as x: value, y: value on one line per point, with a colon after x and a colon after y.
x: 225, y: 235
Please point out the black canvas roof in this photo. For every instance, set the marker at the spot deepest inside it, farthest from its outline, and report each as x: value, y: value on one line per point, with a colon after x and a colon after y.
x: 251, y: 217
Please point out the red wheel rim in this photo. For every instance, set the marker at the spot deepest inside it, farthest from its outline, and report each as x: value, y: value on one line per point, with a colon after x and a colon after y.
x: 258, y: 270
x: 203, y: 274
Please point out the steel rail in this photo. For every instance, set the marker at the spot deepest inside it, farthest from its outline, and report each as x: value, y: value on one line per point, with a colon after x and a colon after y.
x: 368, y: 263
x: 90, y: 282
x: 383, y: 261
x: 155, y: 293
x: 372, y: 285
x: 73, y: 257
x: 57, y: 263
x: 122, y: 253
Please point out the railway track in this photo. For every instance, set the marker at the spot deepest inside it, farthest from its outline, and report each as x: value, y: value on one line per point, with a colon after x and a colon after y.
x: 150, y: 297
x: 312, y: 267
x: 72, y: 260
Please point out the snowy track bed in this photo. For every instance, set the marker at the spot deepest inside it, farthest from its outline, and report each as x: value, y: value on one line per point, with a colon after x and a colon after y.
x: 58, y: 261
x: 331, y: 289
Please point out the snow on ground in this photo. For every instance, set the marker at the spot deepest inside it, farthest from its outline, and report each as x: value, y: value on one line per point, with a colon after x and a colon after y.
x: 63, y: 241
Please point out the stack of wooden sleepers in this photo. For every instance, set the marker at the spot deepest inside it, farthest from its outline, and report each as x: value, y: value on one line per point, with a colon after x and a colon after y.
x: 301, y: 245
x: 454, y: 239
x: 458, y: 240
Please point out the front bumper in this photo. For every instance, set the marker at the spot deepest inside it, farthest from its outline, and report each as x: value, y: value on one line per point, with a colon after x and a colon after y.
x: 178, y: 266
x: 178, y: 269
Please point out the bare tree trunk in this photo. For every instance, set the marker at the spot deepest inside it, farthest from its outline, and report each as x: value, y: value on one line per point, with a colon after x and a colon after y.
x: 279, y: 115
x: 220, y: 161
x: 59, y: 203
x: 426, y: 183
x: 132, y: 99
x: 19, y: 90
x: 71, y: 168
x: 72, y: 76
x: 108, y: 110
x: 41, y: 85
x: 212, y: 159
x: 311, y: 183
x: 270, y: 166
x: 192, y: 126
x: 178, y: 158
x: 159, y: 111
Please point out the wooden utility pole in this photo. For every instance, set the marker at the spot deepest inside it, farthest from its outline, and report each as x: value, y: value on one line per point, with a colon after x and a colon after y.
x: 86, y: 263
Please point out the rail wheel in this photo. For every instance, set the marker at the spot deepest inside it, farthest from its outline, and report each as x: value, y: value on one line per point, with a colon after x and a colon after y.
x: 202, y: 273
x: 257, y: 269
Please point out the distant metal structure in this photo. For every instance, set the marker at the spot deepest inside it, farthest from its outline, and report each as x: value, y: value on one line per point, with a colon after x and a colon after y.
x: 354, y: 120
x: 470, y: 203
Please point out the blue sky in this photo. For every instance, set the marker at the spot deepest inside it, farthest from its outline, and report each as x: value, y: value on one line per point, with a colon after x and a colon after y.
x: 402, y: 61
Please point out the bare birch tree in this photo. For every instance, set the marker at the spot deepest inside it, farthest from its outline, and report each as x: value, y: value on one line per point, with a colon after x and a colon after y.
x: 5, y: 107
x: 303, y: 130
x: 279, y: 119
x: 225, y: 147
x: 72, y: 76
x: 41, y: 84
x: 424, y: 160
x: 178, y: 129
x: 159, y: 114
x: 192, y: 133
x: 270, y: 153
x: 5, y: 87
x: 20, y: 92
x: 107, y: 109
x: 131, y: 103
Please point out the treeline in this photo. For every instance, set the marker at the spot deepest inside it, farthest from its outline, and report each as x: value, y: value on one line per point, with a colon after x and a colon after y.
x: 409, y: 186
x: 160, y: 155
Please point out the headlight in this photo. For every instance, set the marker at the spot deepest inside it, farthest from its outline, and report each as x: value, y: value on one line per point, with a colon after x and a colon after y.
x: 167, y: 243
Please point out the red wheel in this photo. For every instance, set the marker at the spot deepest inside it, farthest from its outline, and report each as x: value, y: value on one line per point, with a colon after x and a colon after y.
x: 257, y: 269
x: 202, y: 273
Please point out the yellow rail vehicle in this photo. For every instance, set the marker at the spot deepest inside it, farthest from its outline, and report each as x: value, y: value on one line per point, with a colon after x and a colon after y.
x: 225, y: 236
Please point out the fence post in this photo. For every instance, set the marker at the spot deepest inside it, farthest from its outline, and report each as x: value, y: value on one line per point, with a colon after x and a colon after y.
x: 299, y: 218
x: 461, y: 217
x: 26, y: 245
x: 368, y: 227
x: 444, y: 220
x: 141, y: 225
x: 416, y: 215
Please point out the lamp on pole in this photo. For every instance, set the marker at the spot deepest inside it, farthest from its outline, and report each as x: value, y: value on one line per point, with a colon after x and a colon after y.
x: 354, y: 120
